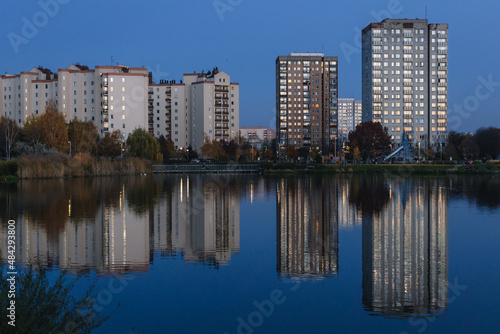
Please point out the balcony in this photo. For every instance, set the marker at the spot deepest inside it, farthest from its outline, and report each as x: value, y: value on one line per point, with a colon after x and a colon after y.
x: 442, y: 52
x: 442, y: 68
x: 441, y: 84
x: 408, y: 107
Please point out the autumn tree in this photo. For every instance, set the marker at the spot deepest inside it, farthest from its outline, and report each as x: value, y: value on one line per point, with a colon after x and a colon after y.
x: 371, y: 139
x: 292, y: 152
x: 9, y: 135
x: 83, y: 136
x: 111, y: 144
x: 142, y: 144
x: 32, y: 130
x: 268, y: 154
x: 54, y: 130
x: 213, y: 149
x: 167, y: 148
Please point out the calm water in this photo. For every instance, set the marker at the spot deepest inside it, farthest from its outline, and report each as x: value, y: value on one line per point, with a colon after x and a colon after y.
x: 252, y: 254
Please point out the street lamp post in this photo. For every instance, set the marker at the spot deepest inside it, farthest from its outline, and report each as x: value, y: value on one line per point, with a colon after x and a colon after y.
x: 252, y: 152
x: 69, y: 142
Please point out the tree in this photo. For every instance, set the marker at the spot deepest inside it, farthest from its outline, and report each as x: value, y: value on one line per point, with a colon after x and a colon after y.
x: 9, y: 135
x: 142, y: 144
x: 111, y: 144
x: 488, y: 140
x: 32, y: 130
x: 469, y: 147
x: 268, y: 154
x: 213, y: 149
x: 371, y: 139
x: 83, y: 136
x: 167, y: 148
x: 292, y: 152
x: 356, y: 154
x: 45, y: 304
x: 54, y: 129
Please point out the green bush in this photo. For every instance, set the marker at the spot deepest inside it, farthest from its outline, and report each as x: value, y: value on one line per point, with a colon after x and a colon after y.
x: 8, y: 167
x: 41, y: 307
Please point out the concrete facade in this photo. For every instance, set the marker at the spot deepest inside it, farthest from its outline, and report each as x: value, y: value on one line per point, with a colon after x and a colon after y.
x: 350, y: 115
x: 405, y: 79
x: 125, y: 98
x: 306, y: 101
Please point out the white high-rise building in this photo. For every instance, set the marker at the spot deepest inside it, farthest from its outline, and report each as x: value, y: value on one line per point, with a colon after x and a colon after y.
x: 125, y: 98
x: 202, y: 104
x: 405, y: 79
x: 350, y: 115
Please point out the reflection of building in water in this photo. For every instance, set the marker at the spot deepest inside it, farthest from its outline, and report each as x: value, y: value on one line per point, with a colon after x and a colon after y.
x: 348, y: 215
x: 307, y: 230
x: 405, y: 251
x: 198, y: 218
x: 112, y: 241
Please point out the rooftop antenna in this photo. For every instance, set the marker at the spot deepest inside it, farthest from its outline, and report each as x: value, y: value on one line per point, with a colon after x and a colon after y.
x: 426, y: 12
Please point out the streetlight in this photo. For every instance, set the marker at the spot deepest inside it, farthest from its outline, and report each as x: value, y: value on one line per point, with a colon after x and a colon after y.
x: 69, y: 142
x: 252, y: 152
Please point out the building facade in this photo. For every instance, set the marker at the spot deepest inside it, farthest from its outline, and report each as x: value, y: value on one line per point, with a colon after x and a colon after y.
x: 350, y: 115
x: 405, y: 79
x: 201, y: 105
x: 306, y: 101
x: 257, y: 135
x: 125, y: 98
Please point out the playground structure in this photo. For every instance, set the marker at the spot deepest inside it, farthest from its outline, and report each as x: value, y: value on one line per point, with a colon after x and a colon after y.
x: 404, y: 148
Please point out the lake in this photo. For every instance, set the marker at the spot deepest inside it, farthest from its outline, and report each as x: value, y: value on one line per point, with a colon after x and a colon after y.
x: 271, y: 254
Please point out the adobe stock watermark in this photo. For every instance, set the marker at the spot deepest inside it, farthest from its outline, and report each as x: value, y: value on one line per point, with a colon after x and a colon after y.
x: 484, y: 90
x: 264, y: 309
x: 394, y: 7
x: 31, y: 27
x: 422, y: 323
x: 223, y: 6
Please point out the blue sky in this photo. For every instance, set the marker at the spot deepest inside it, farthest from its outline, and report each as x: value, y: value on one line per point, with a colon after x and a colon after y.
x: 244, y: 37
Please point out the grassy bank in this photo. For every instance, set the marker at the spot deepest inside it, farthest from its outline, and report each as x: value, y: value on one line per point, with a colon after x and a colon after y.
x: 64, y: 166
x: 403, y: 170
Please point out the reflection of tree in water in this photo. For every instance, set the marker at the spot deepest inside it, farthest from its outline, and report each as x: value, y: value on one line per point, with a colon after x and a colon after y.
x: 484, y: 190
x: 142, y: 193
x: 369, y: 194
x: 51, y: 203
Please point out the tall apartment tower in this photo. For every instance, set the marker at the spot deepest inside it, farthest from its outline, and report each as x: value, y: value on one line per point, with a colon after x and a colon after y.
x: 306, y: 101
x: 349, y: 115
x: 405, y: 79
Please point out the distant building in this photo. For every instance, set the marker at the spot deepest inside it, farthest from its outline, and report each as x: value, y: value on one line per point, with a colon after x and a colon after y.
x: 306, y: 101
x: 257, y: 135
x: 350, y: 115
x: 405, y: 79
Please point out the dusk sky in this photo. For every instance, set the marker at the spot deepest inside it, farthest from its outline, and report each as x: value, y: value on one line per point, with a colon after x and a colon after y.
x: 243, y: 38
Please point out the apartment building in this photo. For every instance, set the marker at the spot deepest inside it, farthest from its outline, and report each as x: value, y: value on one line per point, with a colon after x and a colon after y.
x: 405, y: 79
x: 125, y: 98
x: 306, y: 101
x: 349, y: 115
x: 257, y: 135
x: 202, y: 104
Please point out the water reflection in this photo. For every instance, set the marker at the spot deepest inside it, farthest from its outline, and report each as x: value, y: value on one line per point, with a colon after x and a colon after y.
x: 198, y: 218
x: 307, y: 228
x: 118, y: 225
x: 405, y: 250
